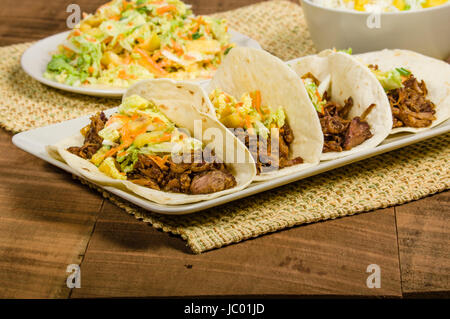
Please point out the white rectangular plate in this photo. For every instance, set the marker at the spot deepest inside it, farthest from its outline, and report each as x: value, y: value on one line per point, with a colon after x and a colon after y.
x: 35, y: 141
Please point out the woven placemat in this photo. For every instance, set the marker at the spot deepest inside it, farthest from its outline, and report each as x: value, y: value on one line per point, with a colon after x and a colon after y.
x: 390, y: 179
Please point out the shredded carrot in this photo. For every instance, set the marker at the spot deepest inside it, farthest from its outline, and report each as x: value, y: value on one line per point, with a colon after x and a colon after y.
x: 127, y: 138
x: 76, y: 32
x: 195, y: 29
x: 123, y: 75
x: 159, y: 161
x: 158, y: 120
x: 256, y: 101
x: 200, y: 20
x: 135, y: 117
x: 165, y: 138
x: 116, y: 149
x: 91, y: 69
x: 188, y: 57
x: 207, y: 29
x: 177, y: 48
x: 67, y: 48
x: 248, y: 123
x: 162, y: 10
x: 148, y: 63
x: 121, y: 153
x: 156, y: 56
x: 318, y: 95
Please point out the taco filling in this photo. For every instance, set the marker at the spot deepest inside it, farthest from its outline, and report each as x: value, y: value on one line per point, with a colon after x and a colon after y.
x: 407, y: 97
x: 138, y: 144
x: 254, y: 124
x: 340, y: 132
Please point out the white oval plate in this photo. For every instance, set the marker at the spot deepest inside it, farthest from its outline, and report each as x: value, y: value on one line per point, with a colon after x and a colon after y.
x: 35, y: 59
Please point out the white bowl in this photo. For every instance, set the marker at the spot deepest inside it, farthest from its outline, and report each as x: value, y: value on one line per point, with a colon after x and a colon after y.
x: 426, y: 31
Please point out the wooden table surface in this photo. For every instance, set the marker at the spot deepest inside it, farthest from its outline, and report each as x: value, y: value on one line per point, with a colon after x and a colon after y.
x: 48, y: 221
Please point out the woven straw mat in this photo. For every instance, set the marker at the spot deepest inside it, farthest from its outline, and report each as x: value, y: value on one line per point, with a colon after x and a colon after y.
x: 390, y: 179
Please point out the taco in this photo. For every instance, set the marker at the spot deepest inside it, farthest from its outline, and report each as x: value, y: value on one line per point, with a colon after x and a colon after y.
x: 258, y: 98
x: 148, y: 146
x: 417, y: 86
x: 350, y: 103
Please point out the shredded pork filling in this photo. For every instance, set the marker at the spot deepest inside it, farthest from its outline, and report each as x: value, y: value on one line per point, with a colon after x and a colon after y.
x: 203, y: 176
x: 342, y: 134
x: 270, y: 158
x: 410, y: 106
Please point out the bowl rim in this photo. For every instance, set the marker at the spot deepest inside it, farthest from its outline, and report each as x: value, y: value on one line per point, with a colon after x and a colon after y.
x: 349, y: 11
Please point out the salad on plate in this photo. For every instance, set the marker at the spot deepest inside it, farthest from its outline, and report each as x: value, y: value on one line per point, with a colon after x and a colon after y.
x: 127, y: 41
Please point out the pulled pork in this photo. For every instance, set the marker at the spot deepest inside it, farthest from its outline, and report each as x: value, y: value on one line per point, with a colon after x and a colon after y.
x: 340, y: 133
x: 204, y: 177
x: 191, y: 178
x: 92, y: 141
x: 409, y: 104
x: 265, y: 155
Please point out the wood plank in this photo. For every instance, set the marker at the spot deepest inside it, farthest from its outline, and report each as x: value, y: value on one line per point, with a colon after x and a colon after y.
x: 423, y: 233
x: 46, y: 220
x: 126, y: 257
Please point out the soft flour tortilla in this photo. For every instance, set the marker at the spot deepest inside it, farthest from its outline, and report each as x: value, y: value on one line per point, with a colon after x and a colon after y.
x: 435, y: 74
x: 350, y: 78
x: 179, y: 102
x: 245, y: 70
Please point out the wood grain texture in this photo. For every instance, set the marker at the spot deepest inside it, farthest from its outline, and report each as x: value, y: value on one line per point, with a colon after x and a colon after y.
x: 126, y: 257
x: 47, y: 220
x: 45, y: 224
x: 423, y: 236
